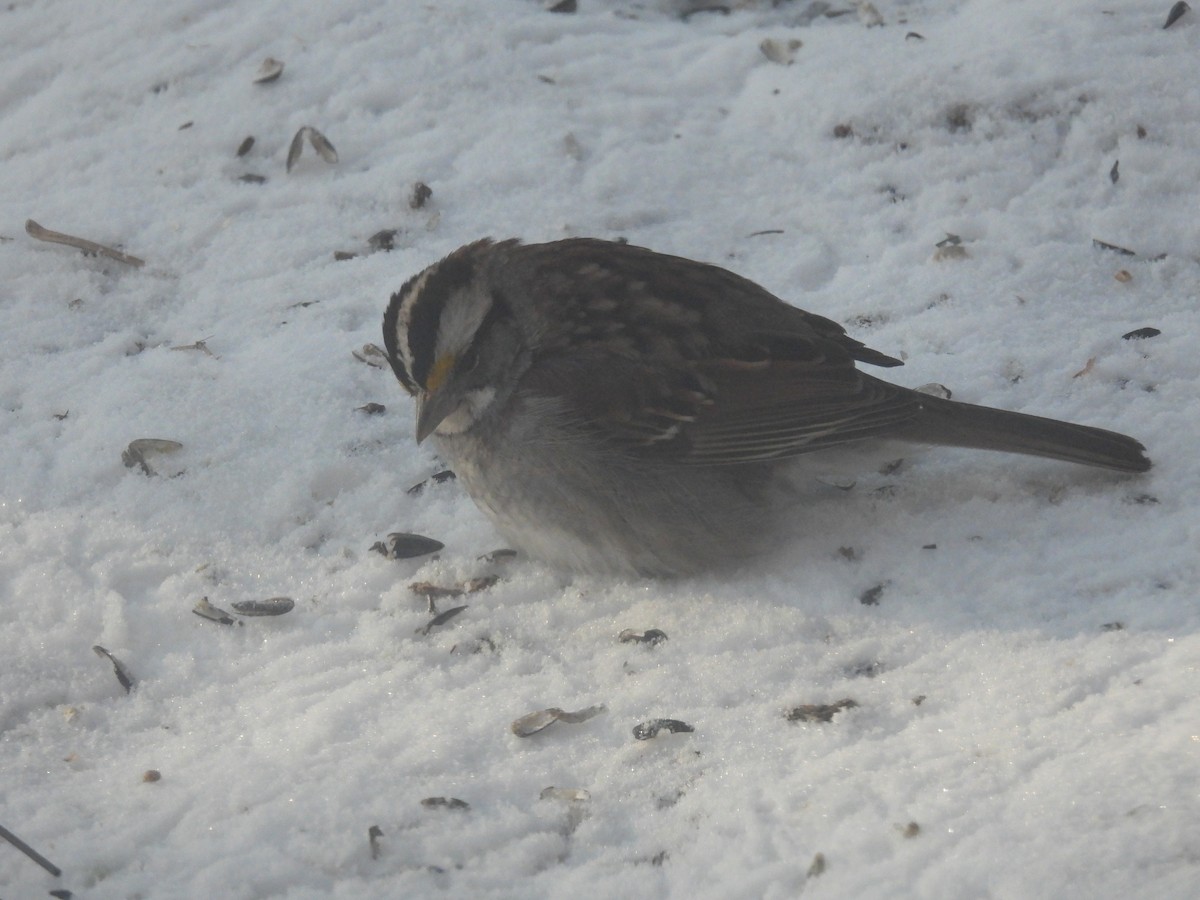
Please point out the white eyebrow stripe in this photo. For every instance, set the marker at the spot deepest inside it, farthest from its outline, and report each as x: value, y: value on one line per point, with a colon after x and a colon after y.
x: 461, y: 316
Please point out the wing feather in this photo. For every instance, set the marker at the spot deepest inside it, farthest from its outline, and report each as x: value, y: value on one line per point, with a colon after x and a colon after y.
x: 697, y: 363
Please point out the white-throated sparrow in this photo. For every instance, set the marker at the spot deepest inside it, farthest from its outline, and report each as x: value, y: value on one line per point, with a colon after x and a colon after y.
x: 613, y: 408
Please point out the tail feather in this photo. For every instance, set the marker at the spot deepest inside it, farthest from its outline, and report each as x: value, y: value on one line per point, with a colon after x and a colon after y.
x: 957, y: 424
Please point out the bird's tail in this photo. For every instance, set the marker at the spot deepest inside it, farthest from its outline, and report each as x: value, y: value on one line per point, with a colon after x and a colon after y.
x: 983, y: 428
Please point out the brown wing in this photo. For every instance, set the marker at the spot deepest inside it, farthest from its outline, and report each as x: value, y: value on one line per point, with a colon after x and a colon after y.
x: 792, y: 408
x: 698, y: 363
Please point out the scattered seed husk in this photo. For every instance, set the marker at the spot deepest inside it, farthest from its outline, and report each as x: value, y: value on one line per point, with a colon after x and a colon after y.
x: 251, y: 178
x: 534, y: 722
x: 652, y: 636
x: 371, y: 409
x: 1113, y: 626
x: 870, y: 597
x: 647, y: 730
x: 383, y: 240
x: 562, y: 6
x: 574, y: 718
x: 1087, y: 368
x: 933, y: 389
x: 201, y: 345
x: 268, y: 71
x: 151, y: 775
x: 914, y: 36
x: 343, y: 255
x: 30, y: 852
x: 405, y: 545
x: 1176, y: 13
x: 186, y: 125
x: 272, y: 606
x: 206, y: 610
x: 319, y: 143
x: 374, y: 833
x: 1104, y: 245
x: 119, y: 669
x: 782, y: 52
x: 1139, y: 334
x: 818, y: 712
x: 61, y: 894
x: 36, y: 231
x: 470, y: 586
x: 322, y: 145
x: 445, y: 803
x: 419, y: 195
x: 949, y: 247
x: 947, y: 252
x: 437, y: 478
x: 245, y: 146
x: 372, y: 355
x: 139, y: 449
x: 1114, y: 174
x: 1123, y: 275
x: 502, y: 555
x: 440, y: 619
x: 842, y: 131
x: 817, y: 866
x: 918, y: 700
x: 766, y: 231
x: 432, y: 592
x: 154, y: 445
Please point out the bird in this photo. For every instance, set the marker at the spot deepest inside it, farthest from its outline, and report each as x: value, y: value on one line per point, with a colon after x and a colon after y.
x: 617, y: 410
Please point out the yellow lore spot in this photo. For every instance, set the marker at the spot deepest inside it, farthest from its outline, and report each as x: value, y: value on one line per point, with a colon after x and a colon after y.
x: 441, y: 369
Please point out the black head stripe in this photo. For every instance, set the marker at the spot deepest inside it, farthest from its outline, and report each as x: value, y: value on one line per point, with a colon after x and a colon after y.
x: 452, y: 274
x: 391, y: 319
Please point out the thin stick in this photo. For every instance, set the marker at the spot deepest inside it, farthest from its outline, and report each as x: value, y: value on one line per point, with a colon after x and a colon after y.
x: 34, y: 230
x: 30, y: 852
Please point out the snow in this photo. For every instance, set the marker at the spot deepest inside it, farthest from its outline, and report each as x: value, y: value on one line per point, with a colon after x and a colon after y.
x: 1053, y: 753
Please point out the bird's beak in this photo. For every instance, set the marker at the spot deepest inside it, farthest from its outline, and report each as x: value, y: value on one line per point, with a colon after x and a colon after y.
x: 433, y: 404
x: 431, y: 410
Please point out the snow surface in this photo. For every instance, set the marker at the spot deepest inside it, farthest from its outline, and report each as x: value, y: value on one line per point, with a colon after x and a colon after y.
x: 1053, y: 755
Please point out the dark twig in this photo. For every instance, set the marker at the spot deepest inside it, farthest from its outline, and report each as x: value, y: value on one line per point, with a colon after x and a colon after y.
x: 30, y: 852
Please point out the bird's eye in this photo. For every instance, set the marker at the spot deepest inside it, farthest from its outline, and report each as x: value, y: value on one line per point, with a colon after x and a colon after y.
x: 469, y: 360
